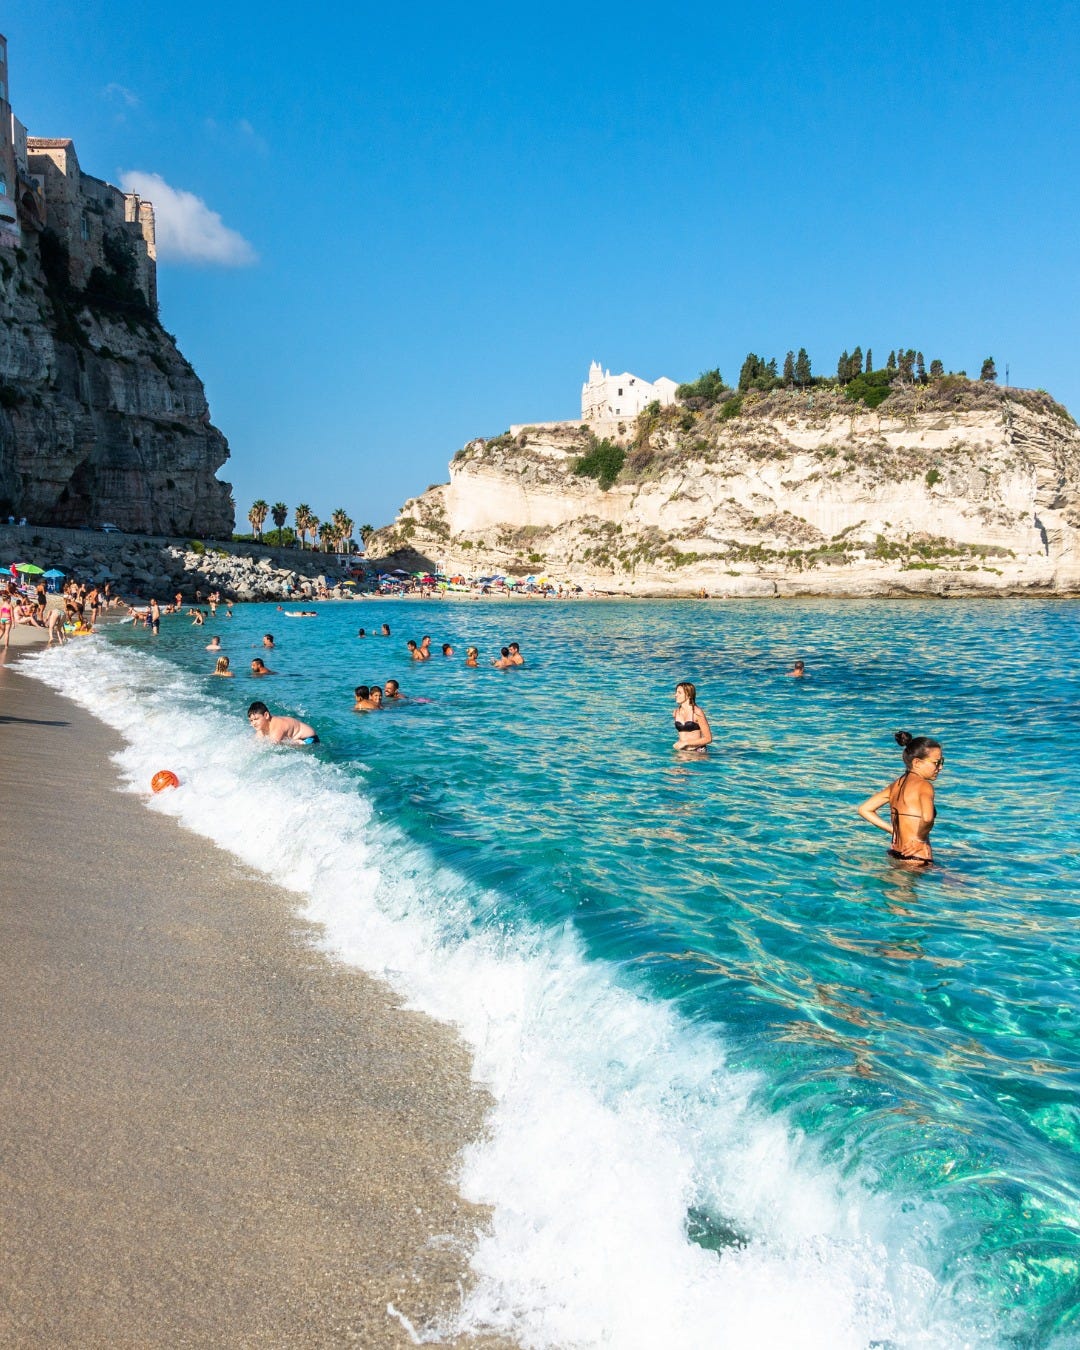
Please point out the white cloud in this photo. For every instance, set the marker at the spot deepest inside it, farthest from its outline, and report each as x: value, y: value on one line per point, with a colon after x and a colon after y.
x: 187, y: 230
x: 117, y: 92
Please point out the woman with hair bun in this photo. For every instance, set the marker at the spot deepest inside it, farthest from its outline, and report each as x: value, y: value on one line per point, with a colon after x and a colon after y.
x: 910, y: 800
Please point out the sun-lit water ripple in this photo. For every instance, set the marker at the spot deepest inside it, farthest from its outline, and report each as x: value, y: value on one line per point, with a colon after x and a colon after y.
x: 923, y: 1027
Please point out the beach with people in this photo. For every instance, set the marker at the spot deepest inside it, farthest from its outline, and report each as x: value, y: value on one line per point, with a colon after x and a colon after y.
x: 522, y: 853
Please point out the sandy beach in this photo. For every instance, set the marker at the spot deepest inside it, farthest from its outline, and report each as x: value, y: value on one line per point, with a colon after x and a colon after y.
x: 212, y: 1134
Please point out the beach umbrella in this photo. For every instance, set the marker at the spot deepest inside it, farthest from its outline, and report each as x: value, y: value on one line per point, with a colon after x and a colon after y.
x: 30, y: 569
x: 348, y: 583
x: 55, y: 572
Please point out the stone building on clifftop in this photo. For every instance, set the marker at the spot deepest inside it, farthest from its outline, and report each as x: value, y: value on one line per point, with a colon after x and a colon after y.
x: 606, y: 397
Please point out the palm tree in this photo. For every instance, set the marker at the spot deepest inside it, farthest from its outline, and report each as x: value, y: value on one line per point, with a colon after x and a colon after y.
x: 327, y: 535
x: 342, y: 527
x: 257, y: 517
x: 313, y: 527
x: 280, y: 512
x: 302, y: 517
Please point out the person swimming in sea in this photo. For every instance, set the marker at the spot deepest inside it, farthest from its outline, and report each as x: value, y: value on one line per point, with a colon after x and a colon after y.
x: 472, y: 656
x: 910, y: 799
x: 280, y: 730
x: 503, y: 661
x: 798, y: 671
x: 222, y: 667
x: 691, y: 722
x: 364, y: 701
x: 214, y: 645
x: 516, y: 658
x: 392, y: 692
x: 259, y: 667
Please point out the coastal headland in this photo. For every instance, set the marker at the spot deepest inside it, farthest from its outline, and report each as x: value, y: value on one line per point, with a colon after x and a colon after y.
x: 212, y: 1133
x: 957, y: 487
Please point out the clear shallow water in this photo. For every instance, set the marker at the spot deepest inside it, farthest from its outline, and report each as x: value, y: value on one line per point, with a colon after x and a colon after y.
x: 748, y: 1075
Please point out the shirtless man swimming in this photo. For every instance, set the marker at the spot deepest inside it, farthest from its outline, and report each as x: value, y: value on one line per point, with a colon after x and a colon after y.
x: 280, y: 730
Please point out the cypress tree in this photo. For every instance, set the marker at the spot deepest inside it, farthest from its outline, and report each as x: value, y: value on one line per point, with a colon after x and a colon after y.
x: 843, y: 367
x: 890, y: 364
x: 770, y: 369
x: 749, y: 371
x: 936, y: 369
x: 869, y: 360
x: 789, y: 369
x: 920, y: 367
x: 856, y: 362
x: 802, y: 368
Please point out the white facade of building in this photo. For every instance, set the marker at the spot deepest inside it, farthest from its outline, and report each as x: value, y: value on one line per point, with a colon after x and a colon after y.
x: 606, y: 396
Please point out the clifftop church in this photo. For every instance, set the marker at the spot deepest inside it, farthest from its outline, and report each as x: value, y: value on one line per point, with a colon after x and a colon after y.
x: 605, y: 396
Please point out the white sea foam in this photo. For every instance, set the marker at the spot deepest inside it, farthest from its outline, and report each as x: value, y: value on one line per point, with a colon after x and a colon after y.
x: 612, y: 1116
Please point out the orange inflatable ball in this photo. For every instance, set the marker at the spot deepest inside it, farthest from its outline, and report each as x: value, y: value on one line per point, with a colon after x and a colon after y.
x: 164, y: 778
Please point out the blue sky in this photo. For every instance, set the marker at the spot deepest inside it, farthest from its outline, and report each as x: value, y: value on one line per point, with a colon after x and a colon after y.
x: 431, y: 219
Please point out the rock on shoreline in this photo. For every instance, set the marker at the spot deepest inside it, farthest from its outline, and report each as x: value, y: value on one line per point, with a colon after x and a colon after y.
x: 140, y: 567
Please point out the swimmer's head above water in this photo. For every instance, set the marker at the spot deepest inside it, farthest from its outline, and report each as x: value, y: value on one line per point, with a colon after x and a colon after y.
x: 922, y: 754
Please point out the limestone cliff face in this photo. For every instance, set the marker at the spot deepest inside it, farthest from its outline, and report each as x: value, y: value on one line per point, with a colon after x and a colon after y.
x: 101, y: 418
x: 960, y: 489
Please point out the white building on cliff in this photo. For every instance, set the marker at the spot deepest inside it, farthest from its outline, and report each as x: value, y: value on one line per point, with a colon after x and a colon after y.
x: 606, y: 396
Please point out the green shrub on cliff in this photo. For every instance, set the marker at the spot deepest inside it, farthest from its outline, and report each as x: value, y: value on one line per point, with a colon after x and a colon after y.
x: 603, y: 461
x: 871, y: 388
x: 709, y: 387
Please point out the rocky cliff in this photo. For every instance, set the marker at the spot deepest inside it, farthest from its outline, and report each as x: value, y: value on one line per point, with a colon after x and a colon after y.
x: 101, y: 417
x: 954, y: 488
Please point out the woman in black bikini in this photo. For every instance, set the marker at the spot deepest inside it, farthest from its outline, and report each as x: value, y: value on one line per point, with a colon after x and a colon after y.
x: 910, y: 800
x: 690, y: 720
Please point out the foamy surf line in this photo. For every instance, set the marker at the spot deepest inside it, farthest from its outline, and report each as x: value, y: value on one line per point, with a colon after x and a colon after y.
x: 614, y: 1118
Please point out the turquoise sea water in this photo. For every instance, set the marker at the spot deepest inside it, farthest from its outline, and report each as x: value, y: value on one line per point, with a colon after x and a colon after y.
x: 917, y: 1034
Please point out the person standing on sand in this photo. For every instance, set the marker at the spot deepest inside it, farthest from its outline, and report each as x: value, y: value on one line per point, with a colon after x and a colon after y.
x: 54, y: 622
x: 280, y: 730
x: 910, y: 799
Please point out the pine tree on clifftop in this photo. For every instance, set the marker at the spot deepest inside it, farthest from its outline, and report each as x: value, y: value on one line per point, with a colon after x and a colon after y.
x: 988, y: 374
x: 789, y: 369
x: 802, y: 368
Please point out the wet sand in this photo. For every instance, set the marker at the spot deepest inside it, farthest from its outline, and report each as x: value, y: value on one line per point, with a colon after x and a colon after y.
x: 210, y: 1134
